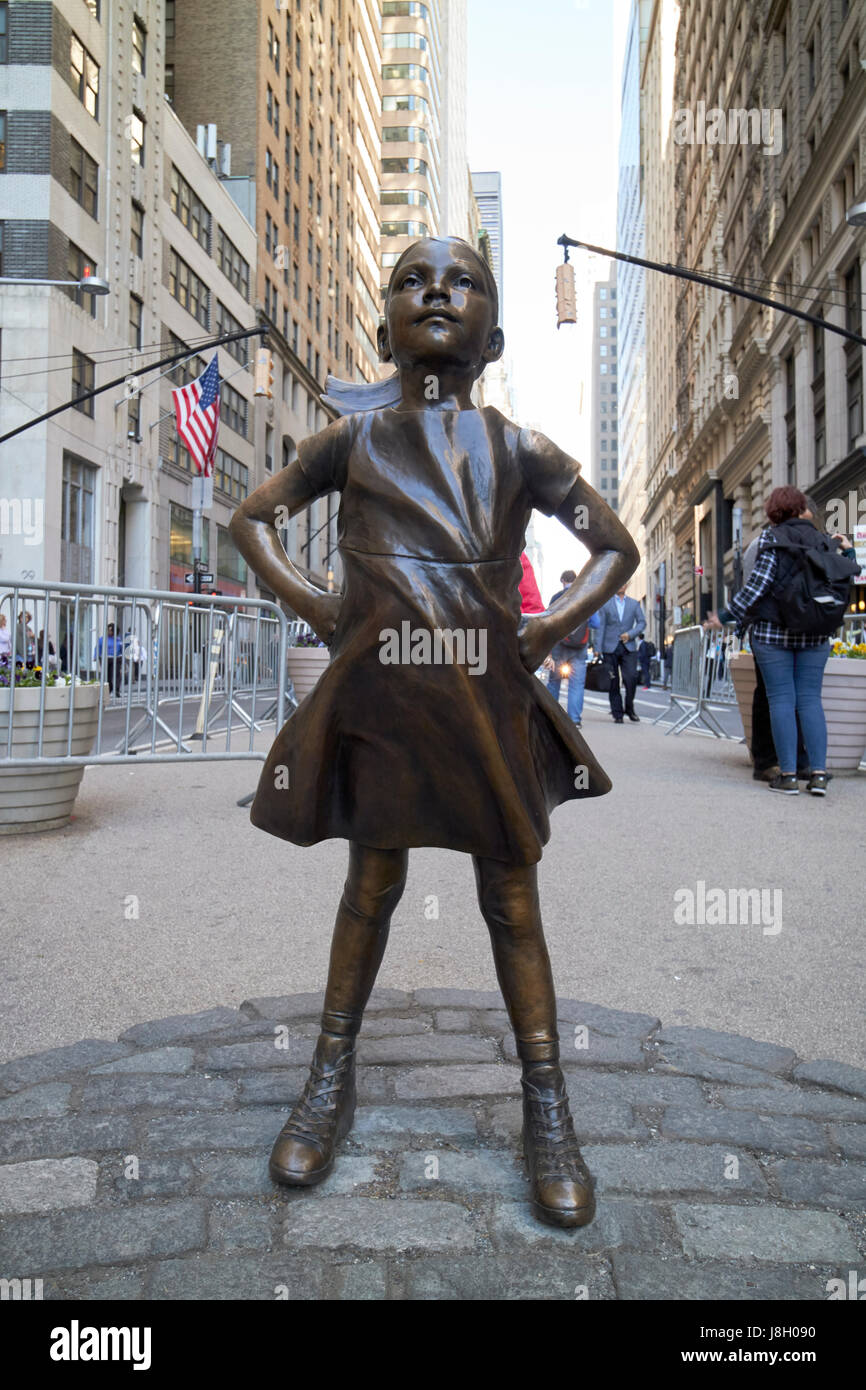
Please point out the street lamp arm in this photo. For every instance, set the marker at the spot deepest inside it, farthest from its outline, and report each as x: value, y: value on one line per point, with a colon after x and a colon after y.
x: 666, y: 269
x: 119, y: 380
x: 90, y: 284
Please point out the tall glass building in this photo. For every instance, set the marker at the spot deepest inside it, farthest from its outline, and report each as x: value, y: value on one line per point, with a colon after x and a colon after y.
x: 630, y: 237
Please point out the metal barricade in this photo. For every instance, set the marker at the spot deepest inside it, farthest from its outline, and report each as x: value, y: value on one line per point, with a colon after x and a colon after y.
x: 700, y: 679
x: 180, y: 670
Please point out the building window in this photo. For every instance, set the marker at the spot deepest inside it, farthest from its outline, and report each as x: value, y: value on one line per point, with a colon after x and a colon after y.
x: 187, y: 371
x: 180, y: 536
x: 230, y: 563
x: 136, y: 230
x: 233, y: 265
x: 227, y: 323
x: 136, y: 312
x: 233, y: 410
x: 233, y: 478
x: 2, y: 142
x: 417, y: 229
x: 408, y: 7
x: 190, y: 209
x: 169, y: 19
x: 76, y: 264
x: 185, y: 286
x: 168, y: 81
x: 84, y: 76
x: 139, y: 47
x: 133, y: 417
x: 76, y: 522
x: 854, y: 354
x: 407, y: 102
x: 136, y: 138
x: 83, y: 379
x: 4, y: 32
x: 409, y: 196
x: 83, y: 178
x: 405, y: 164
x: 405, y: 134
x: 396, y: 72
x: 791, y: 419
x: 405, y: 40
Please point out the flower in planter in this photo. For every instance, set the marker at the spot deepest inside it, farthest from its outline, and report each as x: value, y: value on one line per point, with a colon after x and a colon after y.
x: 307, y: 639
x: 29, y: 678
x: 855, y: 650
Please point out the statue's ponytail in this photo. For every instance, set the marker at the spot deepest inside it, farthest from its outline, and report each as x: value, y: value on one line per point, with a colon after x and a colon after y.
x: 354, y: 397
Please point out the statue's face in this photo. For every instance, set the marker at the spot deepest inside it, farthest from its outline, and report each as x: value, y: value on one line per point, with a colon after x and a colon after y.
x: 439, y: 309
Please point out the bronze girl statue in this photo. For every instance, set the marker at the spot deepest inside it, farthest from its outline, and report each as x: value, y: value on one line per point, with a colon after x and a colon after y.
x: 429, y: 726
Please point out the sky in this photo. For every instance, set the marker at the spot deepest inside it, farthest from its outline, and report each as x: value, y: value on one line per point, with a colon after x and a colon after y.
x: 543, y: 109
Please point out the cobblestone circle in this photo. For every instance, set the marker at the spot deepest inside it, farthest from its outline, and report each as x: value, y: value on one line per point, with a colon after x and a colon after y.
x: 725, y: 1167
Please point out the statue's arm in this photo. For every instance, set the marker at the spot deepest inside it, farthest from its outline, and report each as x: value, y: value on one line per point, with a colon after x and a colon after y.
x: 613, y: 557
x: 254, y: 527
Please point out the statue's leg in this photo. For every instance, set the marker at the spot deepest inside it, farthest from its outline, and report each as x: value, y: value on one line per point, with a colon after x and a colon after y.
x: 304, y: 1151
x: 562, y: 1189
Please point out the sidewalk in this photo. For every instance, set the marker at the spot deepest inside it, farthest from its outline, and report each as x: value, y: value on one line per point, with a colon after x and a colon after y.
x: 725, y: 1168
x: 162, y: 898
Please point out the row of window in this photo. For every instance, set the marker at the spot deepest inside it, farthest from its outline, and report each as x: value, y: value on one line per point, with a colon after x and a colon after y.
x: 230, y: 564
x: 192, y: 212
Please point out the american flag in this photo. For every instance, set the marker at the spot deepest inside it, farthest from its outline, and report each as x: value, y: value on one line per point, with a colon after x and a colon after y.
x: 197, y: 411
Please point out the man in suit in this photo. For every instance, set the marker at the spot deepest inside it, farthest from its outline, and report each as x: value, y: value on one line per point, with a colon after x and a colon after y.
x: 622, y: 620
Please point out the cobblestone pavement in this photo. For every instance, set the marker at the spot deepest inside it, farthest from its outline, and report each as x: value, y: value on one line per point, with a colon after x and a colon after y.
x: 137, y: 1169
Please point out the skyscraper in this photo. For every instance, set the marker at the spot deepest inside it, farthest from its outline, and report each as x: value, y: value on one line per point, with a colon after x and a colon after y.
x: 631, y: 304
x: 413, y: 89
x: 487, y: 187
x: 604, y: 462
x: 294, y: 91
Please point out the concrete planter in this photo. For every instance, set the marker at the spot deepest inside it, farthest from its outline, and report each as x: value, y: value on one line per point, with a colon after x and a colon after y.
x: 843, y: 696
x: 306, y: 664
x: 42, y: 798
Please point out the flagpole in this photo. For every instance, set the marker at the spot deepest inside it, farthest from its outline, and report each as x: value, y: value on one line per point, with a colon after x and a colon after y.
x: 196, y: 545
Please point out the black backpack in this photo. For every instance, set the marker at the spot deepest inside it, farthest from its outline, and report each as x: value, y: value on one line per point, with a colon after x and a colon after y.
x: 813, y: 581
x: 576, y: 639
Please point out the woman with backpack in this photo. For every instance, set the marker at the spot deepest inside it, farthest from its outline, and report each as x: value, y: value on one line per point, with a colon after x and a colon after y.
x: 795, y: 599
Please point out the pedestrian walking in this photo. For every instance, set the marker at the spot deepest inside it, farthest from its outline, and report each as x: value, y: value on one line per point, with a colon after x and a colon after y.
x: 645, y: 653
x: 132, y: 655
x: 43, y: 658
x: 113, y: 658
x: 5, y: 640
x: 397, y: 752
x: 25, y: 643
x: 796, y: 592
x: 622, y: 619
x: 669, y: 663
x: 567, y: 661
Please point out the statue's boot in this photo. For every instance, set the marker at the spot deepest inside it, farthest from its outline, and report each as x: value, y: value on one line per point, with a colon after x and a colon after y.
x: 562, y: 1188
x: 306, y: 1145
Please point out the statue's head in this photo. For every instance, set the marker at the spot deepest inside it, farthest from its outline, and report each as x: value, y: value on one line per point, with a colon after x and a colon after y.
x: 441, y: 309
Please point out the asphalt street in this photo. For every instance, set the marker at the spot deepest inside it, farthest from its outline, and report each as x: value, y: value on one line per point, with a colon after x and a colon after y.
x: 161, y: 898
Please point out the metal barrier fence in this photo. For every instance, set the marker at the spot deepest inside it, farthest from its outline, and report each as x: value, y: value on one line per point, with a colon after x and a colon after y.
x: 175, y: 667
x: 701, y: 679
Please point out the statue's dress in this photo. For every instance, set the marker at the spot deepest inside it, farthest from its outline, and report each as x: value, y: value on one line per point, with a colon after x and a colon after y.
x: 434, y: 506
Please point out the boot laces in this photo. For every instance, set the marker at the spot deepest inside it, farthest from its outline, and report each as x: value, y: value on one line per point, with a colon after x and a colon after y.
x: 315, y: 1114
x: 551, y: 1131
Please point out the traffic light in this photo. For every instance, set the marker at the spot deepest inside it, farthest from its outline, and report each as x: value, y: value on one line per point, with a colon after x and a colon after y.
x: 264, y: 377
x: 566, y: 295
